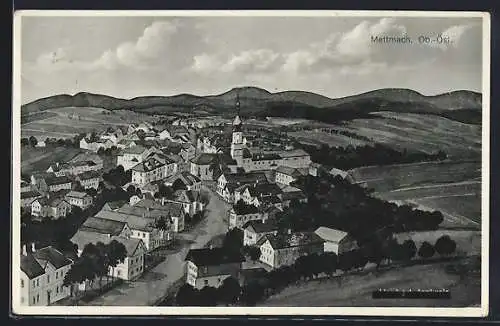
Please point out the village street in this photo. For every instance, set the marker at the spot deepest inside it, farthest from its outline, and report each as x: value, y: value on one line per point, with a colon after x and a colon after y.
x: 152, y: 286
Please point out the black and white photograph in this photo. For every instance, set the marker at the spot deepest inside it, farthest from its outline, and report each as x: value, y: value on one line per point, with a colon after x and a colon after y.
x: 250, y: 163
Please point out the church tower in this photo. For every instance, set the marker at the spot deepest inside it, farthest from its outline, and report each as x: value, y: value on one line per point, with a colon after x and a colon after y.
x: 237, y: 142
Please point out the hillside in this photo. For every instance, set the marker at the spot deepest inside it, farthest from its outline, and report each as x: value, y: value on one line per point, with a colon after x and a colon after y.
x: 464, y: 106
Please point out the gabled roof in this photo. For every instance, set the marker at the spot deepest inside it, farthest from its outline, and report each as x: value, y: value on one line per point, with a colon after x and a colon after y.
x: 147, y: 165
x: 133, y: 221
x: 77, y: 194
x: 82, y: 238
x: 57, y: 180
x: 330, y: 235
x: 33, y: 264
x: 212, y: 257
x: 51, y: 202
x: 294, y: 172
x: 87, y: 175
x: 293, y: 153
x: 260, y: 227
x: 115, y: 204
x: 104, y: 226
x: 187, y: 178
x: 173, y: 208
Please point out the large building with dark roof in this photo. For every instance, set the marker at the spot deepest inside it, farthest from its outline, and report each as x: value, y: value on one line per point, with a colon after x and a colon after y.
x: 211, y: 266
x: 42, y: 275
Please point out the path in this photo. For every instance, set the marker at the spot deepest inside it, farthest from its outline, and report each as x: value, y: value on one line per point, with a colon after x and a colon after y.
x: 153, y: 285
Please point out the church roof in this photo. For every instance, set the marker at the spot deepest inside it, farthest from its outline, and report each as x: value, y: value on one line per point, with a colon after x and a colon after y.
x: 237, y: 121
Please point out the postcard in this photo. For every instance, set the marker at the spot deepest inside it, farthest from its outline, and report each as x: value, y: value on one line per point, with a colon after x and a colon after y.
x: 250, y: 163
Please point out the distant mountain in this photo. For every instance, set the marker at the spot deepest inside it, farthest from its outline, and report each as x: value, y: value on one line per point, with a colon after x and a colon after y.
x: 462, y: 105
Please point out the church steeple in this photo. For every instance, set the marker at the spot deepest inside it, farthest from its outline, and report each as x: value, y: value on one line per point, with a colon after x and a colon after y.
x: 237, y: 120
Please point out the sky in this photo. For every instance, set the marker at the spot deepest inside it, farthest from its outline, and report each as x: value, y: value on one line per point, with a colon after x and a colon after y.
x: 135, y: 56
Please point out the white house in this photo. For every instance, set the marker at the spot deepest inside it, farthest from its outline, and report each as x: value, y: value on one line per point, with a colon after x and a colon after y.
x: 201, y: 166
x: 42, y: 276
x: 79, y: 199
x: 336, y: 241
x: 55, y: 184
x: 89, y: 179
x: 253, y: 231
x: 50, y: 207
x: 131, y: 156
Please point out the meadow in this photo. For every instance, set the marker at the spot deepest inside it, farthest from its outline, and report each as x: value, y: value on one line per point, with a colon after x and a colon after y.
x: 39, y: 159
x: 70, y: 121
x: 454, y: 188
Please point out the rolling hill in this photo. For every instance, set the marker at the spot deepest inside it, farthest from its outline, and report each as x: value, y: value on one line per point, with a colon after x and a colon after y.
x: 464, y: 106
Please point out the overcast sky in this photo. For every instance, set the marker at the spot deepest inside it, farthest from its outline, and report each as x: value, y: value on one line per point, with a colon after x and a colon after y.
x: 134, y: 56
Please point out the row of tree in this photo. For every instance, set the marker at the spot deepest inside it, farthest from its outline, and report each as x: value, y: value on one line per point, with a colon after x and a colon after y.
x: 356, y: 156
x: 118, y: 176
x: 95, y: 261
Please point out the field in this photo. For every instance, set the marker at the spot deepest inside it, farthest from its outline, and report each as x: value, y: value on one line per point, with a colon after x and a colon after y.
x: 356, y: 290
x: 413, y: 132
x: 70, y: 121
x: 454, y: 188
x: 39, y: 159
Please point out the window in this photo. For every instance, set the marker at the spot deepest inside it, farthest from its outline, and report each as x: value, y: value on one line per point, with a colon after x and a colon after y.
x: 34, y: 284
x: 118, y: 273
x: 57, y: 289
x: 37, y: 298
x: 34, y: 300
x: 206, y: 282
x: 22, y: 283
x: 38, y: 282
x: 48, y: 278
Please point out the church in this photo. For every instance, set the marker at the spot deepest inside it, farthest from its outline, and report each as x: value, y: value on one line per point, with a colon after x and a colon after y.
x: 241, y: 157
x: 249, y: 161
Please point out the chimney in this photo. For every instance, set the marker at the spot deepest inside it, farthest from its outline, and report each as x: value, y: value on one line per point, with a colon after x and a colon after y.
x: 289, y: 231
x: 211, y: 246
x: 162, y: 201
x: 33, y: 247
x: 25, y: 252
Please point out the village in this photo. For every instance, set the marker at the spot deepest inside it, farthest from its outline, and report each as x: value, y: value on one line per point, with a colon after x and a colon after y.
x: 171, y: 178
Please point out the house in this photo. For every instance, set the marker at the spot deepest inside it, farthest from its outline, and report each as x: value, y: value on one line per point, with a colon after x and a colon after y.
x: 262, y: 194
x: 253, y: 231
x: 38, y: 181
x: 184, y: 180
x: 152, y: 209
x: 86, y: 157
x: 202, y: 166
x: 132, y: 266
x: 27, y: 197
x: 185, y: 150
x: 79, y: 167
x: 336, y: 241
x: 41, y: 143
x: 126, y: 143
x: 211, y: 266
x: 286, y: 175
x: 148, y: 171
x: 241, y: 213
x: 131, y: 156
x: 25, y: 186
x: 53, y: 207
x: 42, y: 276
x: 114, y: 205
x: 58, y: 169
x: 79, y: 199
x: 89, y: 179
x: 142, y: 228
x: 94, y: 146
x: 171, y: 132
x: 191, y: 201
x: 55, y: 183
x: 284, y: 249
x: 113, y: 135
x: 227, y: 183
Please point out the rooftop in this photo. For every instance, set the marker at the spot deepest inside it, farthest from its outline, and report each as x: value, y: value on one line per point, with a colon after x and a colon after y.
x: 33, y: 264
x: 81, y: 238
x: 77, y: 194
x: 330, y: 235
x: 30, y: 194
x: 214, y: 256
x: 104, y: 226
x: 205, y: 159
x: 259, y: 227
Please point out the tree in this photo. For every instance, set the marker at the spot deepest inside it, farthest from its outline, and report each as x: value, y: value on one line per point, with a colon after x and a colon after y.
x: 329, y: 262
x: 409, y: 249
x: 207, y: 296
x: 100, y: 151
x: 33, y: 141
x: 95, y: 261
x: 233, y: 240
x: 426, y: 250
x: 229, y: 291
x: 102, y: 261
x: 252, y: 293
x: 445, y: 245
x: 116, y: 254
x: 25, y: 141
x: 131, y: 190
x: 75, y: 275
x: 254, y: 253
x: 186, y: 295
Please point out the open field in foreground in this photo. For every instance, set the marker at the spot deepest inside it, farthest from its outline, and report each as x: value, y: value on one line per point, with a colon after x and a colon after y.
x: 70, y: 121
x: 454, y: 188
x: 356, y: 290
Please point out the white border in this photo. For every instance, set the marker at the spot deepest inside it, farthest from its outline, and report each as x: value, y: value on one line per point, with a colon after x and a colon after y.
x: 19, y: 309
